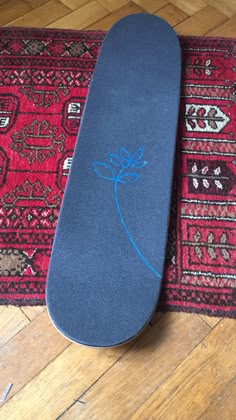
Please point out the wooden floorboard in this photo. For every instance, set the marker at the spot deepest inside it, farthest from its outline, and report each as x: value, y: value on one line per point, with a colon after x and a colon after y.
x: 181, y: 367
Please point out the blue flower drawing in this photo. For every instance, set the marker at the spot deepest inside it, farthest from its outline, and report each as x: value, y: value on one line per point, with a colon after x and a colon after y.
x: 123, y: 161
x: 123, y: 169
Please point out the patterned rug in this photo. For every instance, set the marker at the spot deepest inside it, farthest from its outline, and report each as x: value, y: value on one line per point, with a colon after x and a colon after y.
x: 44, y: 78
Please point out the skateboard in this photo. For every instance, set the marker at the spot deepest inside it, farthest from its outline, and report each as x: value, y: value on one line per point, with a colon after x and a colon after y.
x: 108, y: 254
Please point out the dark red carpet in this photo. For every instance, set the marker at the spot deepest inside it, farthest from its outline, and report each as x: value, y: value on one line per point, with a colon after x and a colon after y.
x: 44, y: 78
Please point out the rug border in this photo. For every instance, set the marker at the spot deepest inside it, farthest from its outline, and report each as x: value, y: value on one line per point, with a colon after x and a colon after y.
x: 160, y: 308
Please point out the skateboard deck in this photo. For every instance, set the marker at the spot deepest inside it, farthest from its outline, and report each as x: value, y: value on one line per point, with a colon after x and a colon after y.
x: 108, y: 254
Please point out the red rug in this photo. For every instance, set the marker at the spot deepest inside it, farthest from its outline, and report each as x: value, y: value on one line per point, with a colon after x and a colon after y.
x: 44, y: 78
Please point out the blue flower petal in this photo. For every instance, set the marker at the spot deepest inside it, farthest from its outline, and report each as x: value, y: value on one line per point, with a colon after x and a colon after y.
x: 104, y: 171
x: 115, y: 160
x: 129, y: 178
x: 138, y: 154
x: 124, y: 154
x: 139, y: 164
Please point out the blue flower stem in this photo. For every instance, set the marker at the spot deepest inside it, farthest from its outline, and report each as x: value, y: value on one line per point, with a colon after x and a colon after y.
x: 126, y: 228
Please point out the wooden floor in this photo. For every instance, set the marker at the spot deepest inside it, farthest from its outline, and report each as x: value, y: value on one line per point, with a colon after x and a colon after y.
x: 183, y: 366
